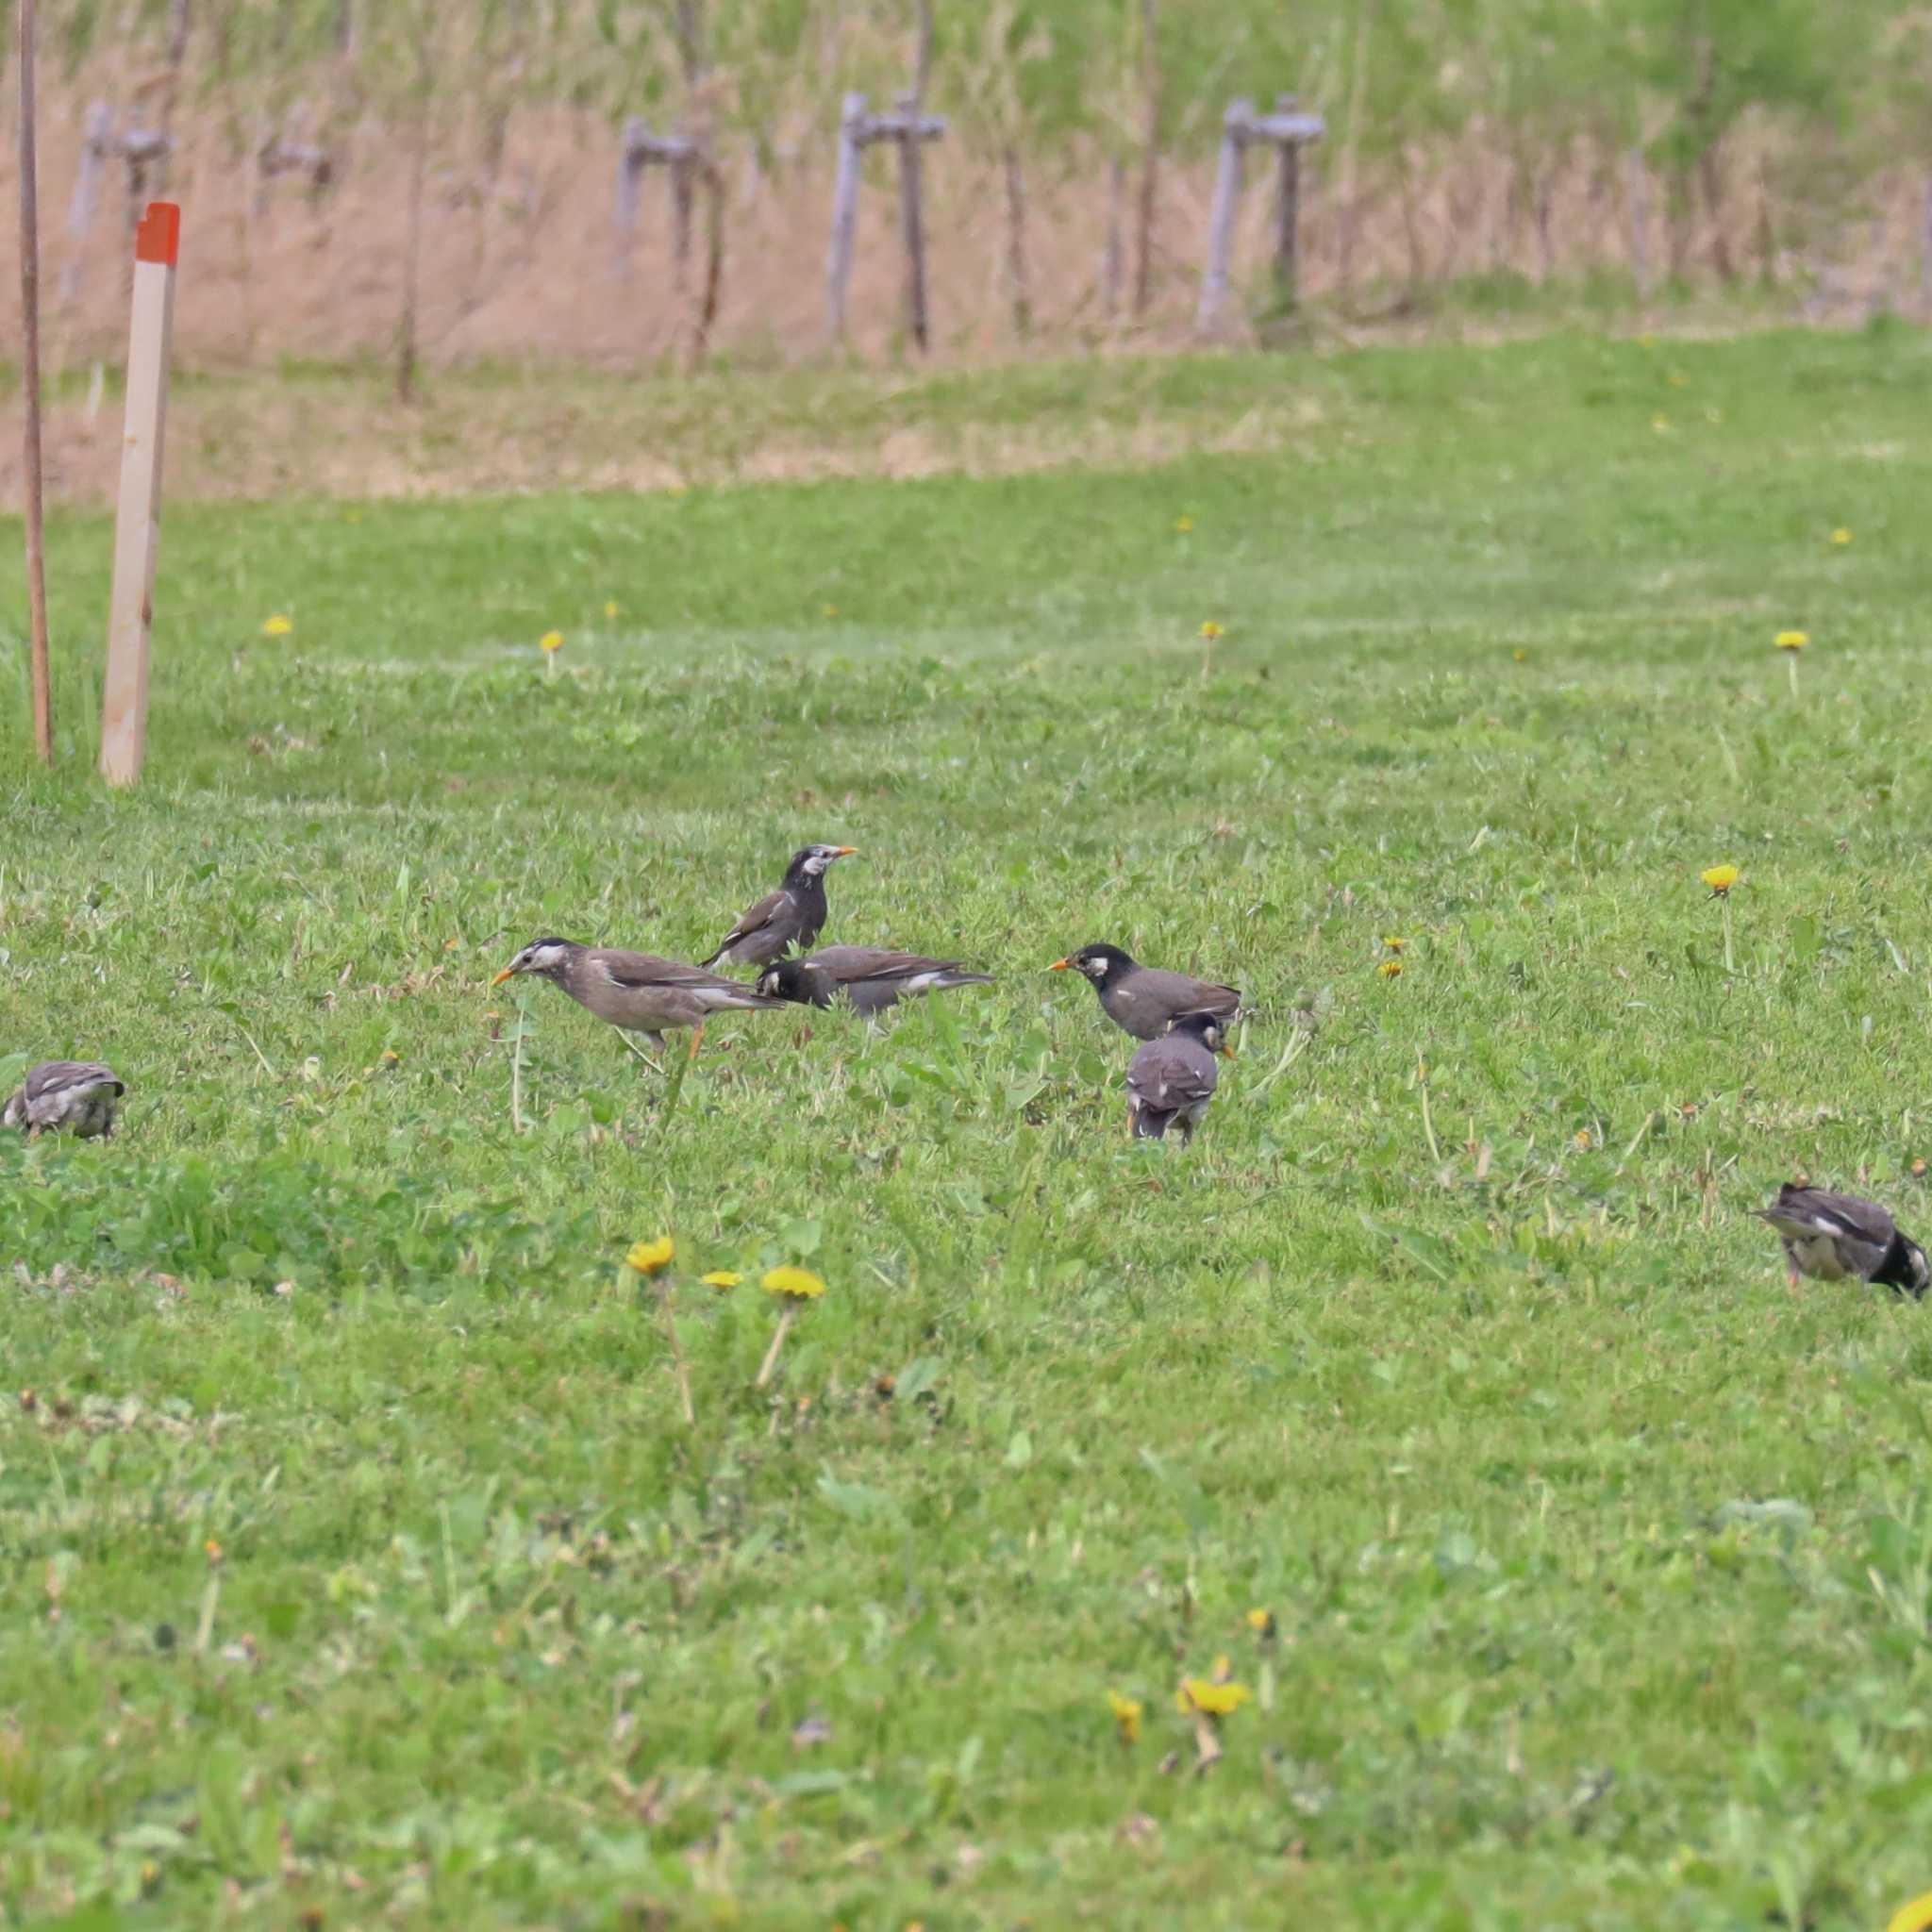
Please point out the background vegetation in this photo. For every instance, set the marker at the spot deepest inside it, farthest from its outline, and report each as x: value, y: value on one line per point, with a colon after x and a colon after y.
x: 1617, y: 150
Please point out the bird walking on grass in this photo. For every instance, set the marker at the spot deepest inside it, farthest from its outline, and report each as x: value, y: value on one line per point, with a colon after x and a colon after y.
x: 1146, y: 1000
x: 77, y: 1095
x: 793, y: 916
x: 1839, y: 1237
x: 869, y: 978
x: 1171, y: 1080
x: 636, y: 990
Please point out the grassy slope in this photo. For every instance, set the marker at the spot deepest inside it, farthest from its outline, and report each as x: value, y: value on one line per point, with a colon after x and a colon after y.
x: 1600, y: 1563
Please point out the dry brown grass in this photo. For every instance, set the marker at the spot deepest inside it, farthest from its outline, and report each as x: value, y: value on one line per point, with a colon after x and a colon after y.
x: 259, y: 435
x: 527, y: 264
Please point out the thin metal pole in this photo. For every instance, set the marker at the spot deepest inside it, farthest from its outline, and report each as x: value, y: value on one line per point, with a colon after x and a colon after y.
x: 30, y: 388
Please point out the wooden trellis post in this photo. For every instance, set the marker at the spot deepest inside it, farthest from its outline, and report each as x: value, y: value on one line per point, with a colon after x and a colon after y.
x: 642, y: 149
x: 139, y: 148
x: 1287, y: 130
x: 908, y: 128
x: 279, y: 155
x: 138, y: 515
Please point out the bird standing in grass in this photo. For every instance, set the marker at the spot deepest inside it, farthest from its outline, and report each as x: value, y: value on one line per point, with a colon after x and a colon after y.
x: 1839, y: 1237
x: 869, y: 978
x: 635, y: 990
x: 795, y: 915
x: 1146, y: 1000
x: 1171, y: 1079
x: 79, y: 1095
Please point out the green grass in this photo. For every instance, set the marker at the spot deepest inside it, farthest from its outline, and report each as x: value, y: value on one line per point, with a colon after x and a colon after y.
x: 1600, y: 1562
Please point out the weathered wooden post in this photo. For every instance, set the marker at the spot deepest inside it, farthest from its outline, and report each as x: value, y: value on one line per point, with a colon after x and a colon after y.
x: 1285, y: 129
x: 97, y: 136
x: 912, y: 222
x: 1287, y: 210
x: 642, y: 149
x: 1235, y: 127
x: 138, y: 516
x: 851, y: 121
x: 858, y: 130
x: 278, y: 155
x: 1637, y: 208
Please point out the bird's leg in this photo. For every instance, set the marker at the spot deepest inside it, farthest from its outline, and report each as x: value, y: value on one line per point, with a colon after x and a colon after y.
x: 697, y: 1039
x: 657, y: 1040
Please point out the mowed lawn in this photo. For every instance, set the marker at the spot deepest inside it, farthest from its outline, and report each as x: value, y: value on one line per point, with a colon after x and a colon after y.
x: 358, y: 1562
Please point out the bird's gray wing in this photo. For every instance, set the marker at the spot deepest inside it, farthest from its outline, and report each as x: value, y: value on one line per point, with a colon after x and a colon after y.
x: 638, y: 971
x: 756, y: 918
x: 645, y: 973
x: 847, y: 963
x: 1799, y: 1212
x: 1170, y: 1073
x: 1185, y: 994
x: 53, y: 1077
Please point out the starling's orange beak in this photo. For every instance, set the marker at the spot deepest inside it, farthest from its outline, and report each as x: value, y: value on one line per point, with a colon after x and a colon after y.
x: 845, y: 852
x: 1060, y: 965
x: 1228, y: 1052
x: 507, y: 973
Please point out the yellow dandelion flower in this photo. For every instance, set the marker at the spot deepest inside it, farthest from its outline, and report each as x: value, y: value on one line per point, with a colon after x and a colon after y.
x: 611, y: 609
x: 1661, y: 425
x: 1521, y: 657
x: 1915, y: 1917
x: 1678, y: 379
x: 1212, y: 1699
x: 1582, y: 1138
x: 1793, y: 640
x: 1127, y: 1715
x: 798, y: 1284
x: 1262, y: 1621
x: 1395, y: 942
x: 1720, y: 879
x: 652, y: 1258
x: 1840, y: 536
x: 829, y: 610
x: 1182, y: 526
x: 1390, y: 969
x: 278, y: 625
x: 720, y: 1277
x: 551, y: 640
x: 212, y: 1551
x: 1211, y: 631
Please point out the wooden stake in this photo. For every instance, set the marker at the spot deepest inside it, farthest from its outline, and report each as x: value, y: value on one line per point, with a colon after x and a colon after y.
x: 138, y: 516
x: 1637, y: 208
x: 1288, y: 211
x: 912, y: 225
x: 1150, y: 160
x: 1113, y: 251
x: 31, y: 395
x: 1227, y: 195
x: 1019, y: 276
x: 844, y: 212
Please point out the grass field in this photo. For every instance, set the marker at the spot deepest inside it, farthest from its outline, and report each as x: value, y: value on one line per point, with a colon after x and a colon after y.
x: 1599, y: 1562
